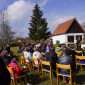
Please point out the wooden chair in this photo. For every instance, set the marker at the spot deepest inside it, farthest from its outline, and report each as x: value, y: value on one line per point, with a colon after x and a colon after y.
x: 15, y: 79
x: 58, y: 53
x: 58, y: 66
x: 80, y: 52
x: 36, y: 65
x: 28, y: 64
x: 43, y: 63
x: 78, y: 61
x: 43, y: 54
x: 22, y: 60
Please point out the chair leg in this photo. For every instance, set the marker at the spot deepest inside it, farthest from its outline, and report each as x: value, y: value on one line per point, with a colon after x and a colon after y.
x: 25, y: 80
x: 71, y: 80
x: 33, y: 69
x: 14, y: 82
x: 20, y: 81
x: 74, y: 79
x: 42, y: 75
x: 81, y: 67
x: 51, y: 77
x: 39, y: 70
x: 30, y: 67
x: 57, y: 80
x: 63, y: 79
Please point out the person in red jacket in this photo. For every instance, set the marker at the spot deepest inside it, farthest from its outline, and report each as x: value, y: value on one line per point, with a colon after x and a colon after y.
x: 18, y: 72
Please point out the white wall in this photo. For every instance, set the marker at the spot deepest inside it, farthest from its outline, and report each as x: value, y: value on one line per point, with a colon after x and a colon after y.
x: 61, y: 38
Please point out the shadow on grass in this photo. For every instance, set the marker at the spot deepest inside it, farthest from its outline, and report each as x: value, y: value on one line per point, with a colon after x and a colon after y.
x: 36, y: 79
x: 80, y: 79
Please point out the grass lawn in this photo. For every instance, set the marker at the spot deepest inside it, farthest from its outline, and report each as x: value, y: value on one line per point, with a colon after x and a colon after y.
x: 35, y: 79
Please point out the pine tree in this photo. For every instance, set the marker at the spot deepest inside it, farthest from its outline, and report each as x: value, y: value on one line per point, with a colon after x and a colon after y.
x: 38, y: 25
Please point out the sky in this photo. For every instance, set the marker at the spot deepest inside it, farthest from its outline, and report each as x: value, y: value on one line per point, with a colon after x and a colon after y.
x: 55, y: 11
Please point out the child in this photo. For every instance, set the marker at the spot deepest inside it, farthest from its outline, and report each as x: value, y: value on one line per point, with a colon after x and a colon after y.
x: 18, y: 72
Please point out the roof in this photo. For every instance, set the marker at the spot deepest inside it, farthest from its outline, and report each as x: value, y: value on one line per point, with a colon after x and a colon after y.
x: 20, y: 38
x: 62, y: 28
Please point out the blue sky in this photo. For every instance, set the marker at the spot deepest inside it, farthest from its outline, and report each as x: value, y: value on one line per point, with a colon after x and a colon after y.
x: 55, y: 11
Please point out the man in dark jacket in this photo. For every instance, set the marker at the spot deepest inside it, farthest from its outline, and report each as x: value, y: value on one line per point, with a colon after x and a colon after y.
x: 4, y: 74
x: 52, y: 57
x: 66, y: 60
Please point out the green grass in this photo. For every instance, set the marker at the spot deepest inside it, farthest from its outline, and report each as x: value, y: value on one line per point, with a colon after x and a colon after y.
x: 35, y: 79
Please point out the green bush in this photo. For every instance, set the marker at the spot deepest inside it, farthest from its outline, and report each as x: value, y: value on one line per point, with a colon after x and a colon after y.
x: 57, y: 42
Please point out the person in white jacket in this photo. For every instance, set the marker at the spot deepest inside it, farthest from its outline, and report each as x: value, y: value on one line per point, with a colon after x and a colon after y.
x: 37, y: 54
x: 27, y: 54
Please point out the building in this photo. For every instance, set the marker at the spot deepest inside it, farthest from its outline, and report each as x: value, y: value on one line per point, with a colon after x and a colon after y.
x: 69, y: 31
x: 20, y: 39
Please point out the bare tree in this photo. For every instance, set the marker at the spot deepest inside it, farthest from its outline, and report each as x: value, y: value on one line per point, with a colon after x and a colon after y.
x: 6, y: 33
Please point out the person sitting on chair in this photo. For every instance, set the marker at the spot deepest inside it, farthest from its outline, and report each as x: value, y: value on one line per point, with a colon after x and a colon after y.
x: 66, y: 59
x: 52, y: 57
x: 27, y: 54
x: 37, y: 54
x: 18, y: 72
x: 79, y: 49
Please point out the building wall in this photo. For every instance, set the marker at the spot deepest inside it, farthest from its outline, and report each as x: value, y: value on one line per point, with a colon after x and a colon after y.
x: 64, y: 37
x: 61, y: 38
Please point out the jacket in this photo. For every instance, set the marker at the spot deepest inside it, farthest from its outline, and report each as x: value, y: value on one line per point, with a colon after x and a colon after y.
x: 4, y: 74
x: 16, y: 69
x: 52, y: 57
x: 66, y: 60
x: 38, y: 55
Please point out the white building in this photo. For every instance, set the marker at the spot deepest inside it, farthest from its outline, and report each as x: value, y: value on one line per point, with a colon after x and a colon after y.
x: 69, y: 31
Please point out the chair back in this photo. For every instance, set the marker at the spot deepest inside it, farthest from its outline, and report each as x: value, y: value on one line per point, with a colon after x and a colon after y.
x: 27, y: 60
x: 63, y: 67
x: 80, y: 52
x: 80, y: 57
x: 11, y: 70
x: 42, y: 53
x: 35, y: 60
x: 45, y: 63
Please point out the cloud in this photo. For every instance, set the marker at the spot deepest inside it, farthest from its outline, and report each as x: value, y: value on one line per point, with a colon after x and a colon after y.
x: 20, y: 13
x: 43, y: 3
x: 20, y: 9
x: 58, y: 19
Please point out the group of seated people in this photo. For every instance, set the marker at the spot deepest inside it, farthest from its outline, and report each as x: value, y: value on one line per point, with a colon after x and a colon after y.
x: 67, y: 57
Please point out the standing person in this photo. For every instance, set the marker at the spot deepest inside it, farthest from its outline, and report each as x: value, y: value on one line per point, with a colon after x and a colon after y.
x: 37, y: 54
x: 50, y: 43
x: 66, y: 59
x: 4, y: 74
x: 52, y: 57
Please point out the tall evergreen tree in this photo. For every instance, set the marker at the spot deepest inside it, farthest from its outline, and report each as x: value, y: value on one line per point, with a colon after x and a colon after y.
x: 38, y: 25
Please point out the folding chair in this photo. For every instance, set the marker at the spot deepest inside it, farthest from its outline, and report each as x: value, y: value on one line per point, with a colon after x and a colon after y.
x: 44, y: 63
x: 58, y: 66
x: 36, y: 65
x: 15, y: 79
x: 28, y: 64
x: 78, y: 61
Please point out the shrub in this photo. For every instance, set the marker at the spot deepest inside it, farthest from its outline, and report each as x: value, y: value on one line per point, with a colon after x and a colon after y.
x: 57, y: 42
